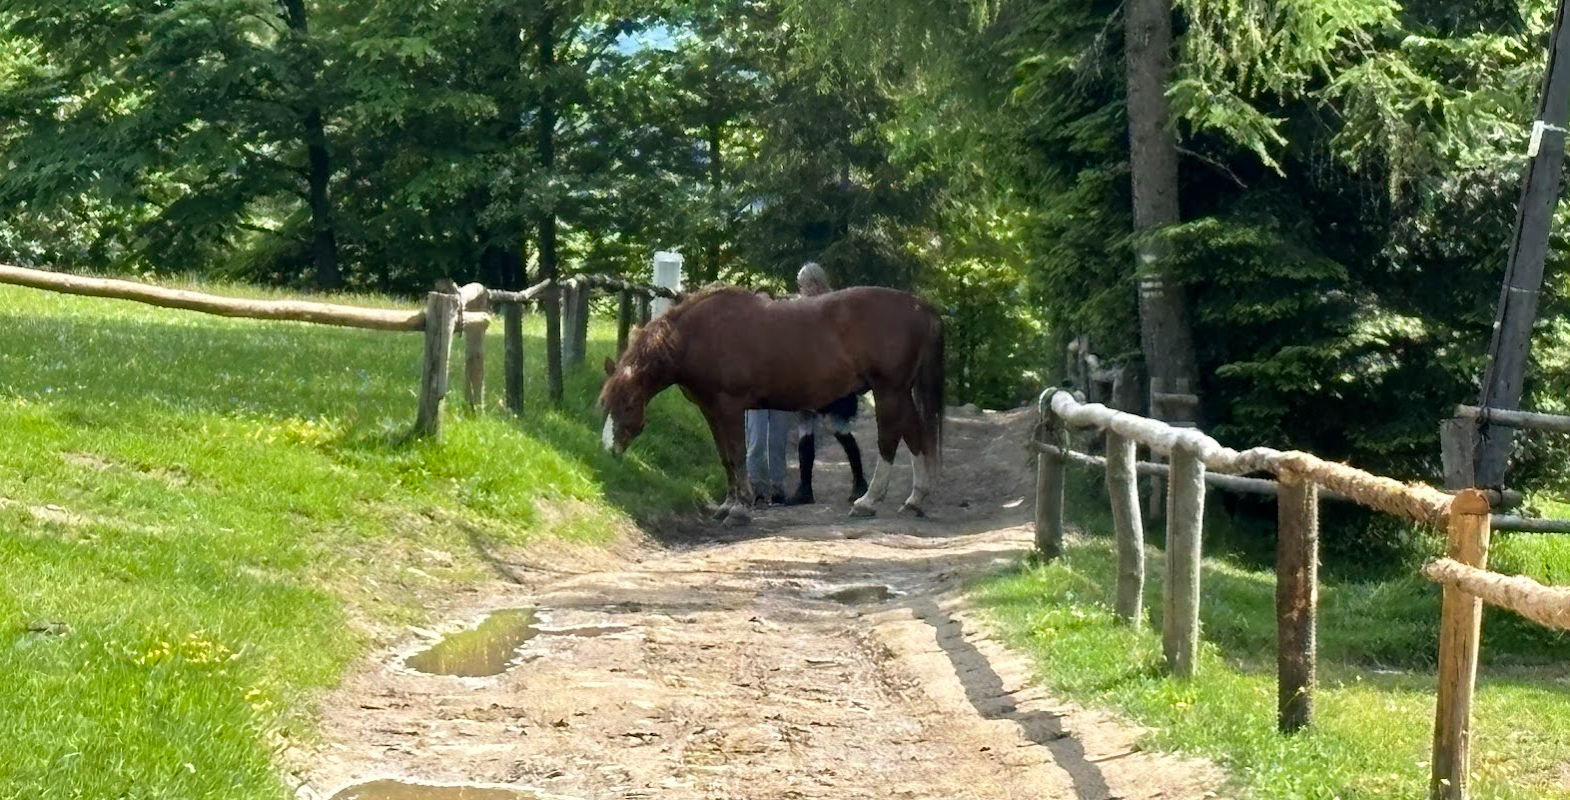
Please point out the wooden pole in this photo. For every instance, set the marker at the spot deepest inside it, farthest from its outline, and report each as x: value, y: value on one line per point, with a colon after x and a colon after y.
x: 1297, y: 600
x: 623, y: 320
x: 512, y: 363
x: 293, y: 310
x: 1457, y: 443
x: 1049, y: 492
x: 1180, y: 596
x: 580, y: 338
x: 645, y: 309
x: 1460, y: 628
x: 1158, y: 488
x: 569, y: 324
x: 474, y: 328
x: 441, y: 310
x: 1511, y: 344
x: 578, y: 335
x: 1122, y: 486
x: 553, y: 371
x: 1531, y: 420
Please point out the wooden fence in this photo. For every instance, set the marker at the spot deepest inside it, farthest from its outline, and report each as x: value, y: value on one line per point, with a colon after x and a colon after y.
x: 464, y: 310
x: 1301, y: 479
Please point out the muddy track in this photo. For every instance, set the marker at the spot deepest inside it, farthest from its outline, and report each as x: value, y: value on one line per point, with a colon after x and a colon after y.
x: 809, y: 656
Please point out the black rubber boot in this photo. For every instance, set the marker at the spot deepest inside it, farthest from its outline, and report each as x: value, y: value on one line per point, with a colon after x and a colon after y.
x: 806, y: 451
x: 853, y: 455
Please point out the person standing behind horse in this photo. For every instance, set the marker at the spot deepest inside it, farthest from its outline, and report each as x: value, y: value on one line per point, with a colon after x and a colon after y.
x: 812, y: 281
x: 767, y: 433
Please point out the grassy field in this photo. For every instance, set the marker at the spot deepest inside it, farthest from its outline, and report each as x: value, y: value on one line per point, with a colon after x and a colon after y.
x: 1376, y: 701
x: 194, y: 510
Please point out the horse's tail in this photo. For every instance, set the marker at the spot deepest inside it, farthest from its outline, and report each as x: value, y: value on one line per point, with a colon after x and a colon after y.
x: 928, y: 395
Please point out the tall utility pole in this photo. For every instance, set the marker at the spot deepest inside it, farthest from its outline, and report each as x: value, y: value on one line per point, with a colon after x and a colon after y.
x: 1510, y: 348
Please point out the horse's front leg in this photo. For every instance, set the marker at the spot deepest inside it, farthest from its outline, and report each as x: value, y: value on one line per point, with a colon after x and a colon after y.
x: 725, y: 420
x: 733, y: 432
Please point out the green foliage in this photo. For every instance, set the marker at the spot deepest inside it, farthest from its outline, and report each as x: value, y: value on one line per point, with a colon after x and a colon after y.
x: 992, y: 341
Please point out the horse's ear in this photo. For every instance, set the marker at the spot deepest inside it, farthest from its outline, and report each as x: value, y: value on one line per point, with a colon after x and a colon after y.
x: 610, y: 367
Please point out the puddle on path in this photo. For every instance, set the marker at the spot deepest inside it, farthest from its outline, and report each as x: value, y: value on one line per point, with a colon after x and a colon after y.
x: 858, y: 595
x: 399, y: 790
x: 485, y: 650
x: 586, y: 631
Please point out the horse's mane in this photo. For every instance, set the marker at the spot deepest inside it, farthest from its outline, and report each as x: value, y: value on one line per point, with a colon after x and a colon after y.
x: 653, y: 350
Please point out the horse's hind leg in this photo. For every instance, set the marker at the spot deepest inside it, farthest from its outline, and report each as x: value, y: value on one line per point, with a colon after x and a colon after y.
x: 890, y: 412
x: 921, y: 481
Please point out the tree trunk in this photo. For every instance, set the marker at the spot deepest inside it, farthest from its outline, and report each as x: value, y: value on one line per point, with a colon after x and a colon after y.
x: 1165, y: 338
x: 711, y: 270
x: 502, y: 259
x: 545, y: 44
x: 324, y: 243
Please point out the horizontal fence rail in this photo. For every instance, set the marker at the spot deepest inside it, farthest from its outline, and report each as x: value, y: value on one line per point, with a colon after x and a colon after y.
x: 1301, y: 479
x: 1548, y: 606
x: 287, y: 310
x: 1264, y: 486
x: 1417, y: 502
x: 450, y: 310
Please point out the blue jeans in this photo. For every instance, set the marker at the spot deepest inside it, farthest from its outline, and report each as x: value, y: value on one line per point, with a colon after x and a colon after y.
x: 767, y: 432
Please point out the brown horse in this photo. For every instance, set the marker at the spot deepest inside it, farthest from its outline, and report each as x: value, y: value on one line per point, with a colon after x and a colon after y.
x: 730, y: 350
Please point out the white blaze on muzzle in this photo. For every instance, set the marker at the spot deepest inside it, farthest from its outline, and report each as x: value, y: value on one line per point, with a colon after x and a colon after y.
x: 608, y: 435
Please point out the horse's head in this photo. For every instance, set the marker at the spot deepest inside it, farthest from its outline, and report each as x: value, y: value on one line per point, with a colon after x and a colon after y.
x: 624, y: 398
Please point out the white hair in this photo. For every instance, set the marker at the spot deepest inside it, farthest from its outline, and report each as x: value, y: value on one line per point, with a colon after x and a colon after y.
x: 813, y: 275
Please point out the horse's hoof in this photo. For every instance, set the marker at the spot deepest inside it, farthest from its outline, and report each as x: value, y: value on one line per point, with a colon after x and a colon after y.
x: 908, y: 508
x: 857, y: 510
x: 737, y: 518
x: 800, y: 499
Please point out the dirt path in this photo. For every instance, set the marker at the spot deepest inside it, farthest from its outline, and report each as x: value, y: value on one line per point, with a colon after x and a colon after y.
x: 732, y: 669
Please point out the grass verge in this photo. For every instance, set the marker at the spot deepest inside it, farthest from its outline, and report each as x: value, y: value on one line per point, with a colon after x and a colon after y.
x: 195, y: 510
x: 1376, y: 699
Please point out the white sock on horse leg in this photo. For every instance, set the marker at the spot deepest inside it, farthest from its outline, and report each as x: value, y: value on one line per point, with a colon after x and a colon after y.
x: 879, y: 488
x: 919, y: 483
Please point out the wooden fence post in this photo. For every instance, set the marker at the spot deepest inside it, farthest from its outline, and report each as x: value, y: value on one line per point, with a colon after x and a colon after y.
x: 1459, y: 631
x: 1158, y: 489
x: 553, y: 306
x: 578, y: 334
x: 1297, y: 599
x: 623, y: 320
x: 1049, y: 489
x: 1180, y: 595
x: 512, y: 362
x: 1457, y: 451
x: 570, y: 312
x: 441, y: 309
x: 474, y: 328
x: 1122, y: 486
x: 645, y: 308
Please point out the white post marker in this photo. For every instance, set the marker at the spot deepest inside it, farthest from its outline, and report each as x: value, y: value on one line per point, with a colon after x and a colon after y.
x: 667, y: 274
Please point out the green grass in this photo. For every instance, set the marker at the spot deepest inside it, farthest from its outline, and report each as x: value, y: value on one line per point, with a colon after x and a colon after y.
x: 1376, y: 698
x: 210, y: 505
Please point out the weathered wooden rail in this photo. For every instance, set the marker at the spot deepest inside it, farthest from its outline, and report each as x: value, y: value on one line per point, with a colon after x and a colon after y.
x: 1301, y: 479
x: 464, y: 310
